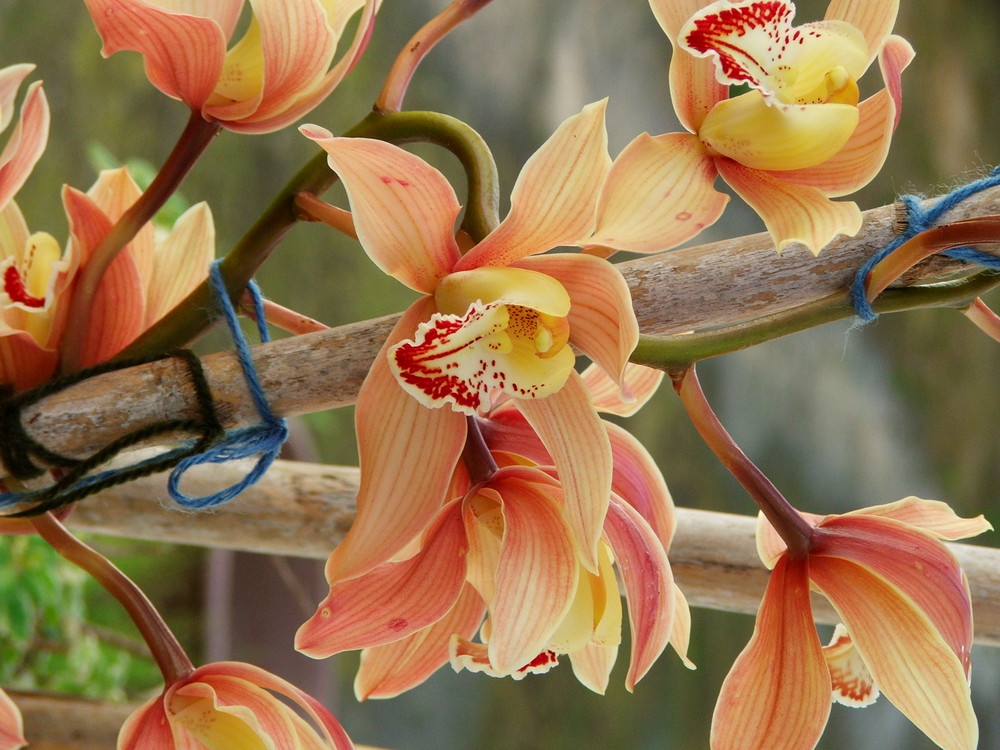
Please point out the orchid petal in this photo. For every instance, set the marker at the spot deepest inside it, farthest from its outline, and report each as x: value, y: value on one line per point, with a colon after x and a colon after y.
x: 760, y: 135
x: 640, y: 383
x: 638, y: 481
x: 182, y: 53
x: 873, y: 18
x: 791, y: 213
x: 510, y: 286
x: 658, y: 194
x: 11, y: 724
x: 180, y: 262
x: 484, y: 524
x: 553, y: 200
x: 23, y: 363
x: 916, y: 564
x: 114, y: 192
x: 537, y: 575
x: 853, y: 684
x: 415, y: 450
x: 680, y: 635
x: 251, y: 718
x: 11, y: 78
x: 395, y: 599
x: 770, y: 546
x: 466, y: 654
x: 117, y: 307
x: 576, y: 439
x: 386, y: 671
x: 895, y: 57
x: 602, y: 322
x: 26, y: 143
x: 694, y: 89
x: 147, y: 726
x: 778, y: 690
x: 649, y: 586
x: 930, y: 515
x: 913, y: 665
x: 404, y: 209
x: 592, y: 666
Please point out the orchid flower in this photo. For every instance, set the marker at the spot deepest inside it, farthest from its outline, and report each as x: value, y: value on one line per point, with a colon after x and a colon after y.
x: 504, y: 551
x: 798, y: 137
x: 275, y: 74
x: 907, y: 630
x: 27, y: 142
x: 11, y: 724
x: 141, y: 285
x: 231, y: 705
x: 499, y: 319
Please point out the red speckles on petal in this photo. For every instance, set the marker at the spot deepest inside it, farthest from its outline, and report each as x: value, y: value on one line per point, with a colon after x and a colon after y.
x: 397, y: 623
x: 541, y: 663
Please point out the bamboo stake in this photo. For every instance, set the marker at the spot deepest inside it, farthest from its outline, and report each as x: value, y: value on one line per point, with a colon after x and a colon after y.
x: 728, y: 282
x: 304, y: 510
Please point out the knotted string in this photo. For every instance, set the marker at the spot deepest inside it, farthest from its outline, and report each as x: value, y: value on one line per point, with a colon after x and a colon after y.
x: 263, y: 440
x: 20, y: 453
x: 920, y: 219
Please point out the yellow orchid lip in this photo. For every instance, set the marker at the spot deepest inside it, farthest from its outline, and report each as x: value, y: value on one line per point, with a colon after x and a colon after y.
x: 512, y: 286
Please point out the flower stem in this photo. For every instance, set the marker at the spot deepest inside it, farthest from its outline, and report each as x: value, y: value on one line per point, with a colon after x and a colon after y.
x: 170, y: 657
x: 398, y: 80
x: 476, y: 454
x: 796, y: 532
x: 196, y: 136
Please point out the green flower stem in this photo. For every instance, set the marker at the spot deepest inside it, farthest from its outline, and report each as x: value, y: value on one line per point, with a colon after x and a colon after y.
x: 170, y: 657
x: 197, y: 134
x: 675, y: 353
x: 788, y: 522
x: 415, y: 50
x: 193, y: 315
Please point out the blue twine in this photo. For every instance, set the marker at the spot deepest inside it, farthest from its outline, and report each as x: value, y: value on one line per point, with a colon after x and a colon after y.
x: 263, y: 439
x: 919, y: 219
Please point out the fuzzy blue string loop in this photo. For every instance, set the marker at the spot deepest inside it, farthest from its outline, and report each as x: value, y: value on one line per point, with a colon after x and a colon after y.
x: 920, y: 219
x: 263, y: 440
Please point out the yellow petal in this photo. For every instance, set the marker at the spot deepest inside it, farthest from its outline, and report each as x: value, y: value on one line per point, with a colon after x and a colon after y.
x: 510, y: 286
x: 759, y: 135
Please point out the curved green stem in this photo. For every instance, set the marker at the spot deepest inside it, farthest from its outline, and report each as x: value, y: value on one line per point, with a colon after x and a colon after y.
x: 170, y: 656
x: 193, y: 315
x: 675, y: 353
x: 197, y: 134
x: 794, y: 530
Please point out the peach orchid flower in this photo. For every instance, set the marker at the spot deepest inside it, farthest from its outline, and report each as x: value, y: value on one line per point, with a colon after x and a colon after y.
x: 11, y: 724
x: 505, y: 551
x: 142, y: 284
x: 27, y: 142
x: 232, y: 705
x: 907, y: 630
x: 499, y: 319
x: 795, y: 139
x: 273, y: 76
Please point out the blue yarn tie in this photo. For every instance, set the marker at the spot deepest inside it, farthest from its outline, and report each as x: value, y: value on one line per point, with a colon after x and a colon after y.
x: 264, y: 439
x: 919, y: 219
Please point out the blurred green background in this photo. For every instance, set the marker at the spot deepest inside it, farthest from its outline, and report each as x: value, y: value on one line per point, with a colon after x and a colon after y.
x: 838, y: 417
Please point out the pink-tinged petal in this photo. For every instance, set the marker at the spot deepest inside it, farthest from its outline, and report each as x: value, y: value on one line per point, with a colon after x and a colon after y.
x: 778, y: 692
x: 680, y: 636
x: 507, y: 430
x: 11, y: 78
x: 537, y: 575
x: 395, y: 599
x: 404, y: 210
x: 913, y: 665
x: 11, y: 724
x: 770, y: 546
x: 180, y: 262
x: 407, y: 455
x: 602, y: 322
x: 474, y: 657
x: 930, y: 515
x: 576, y: 439
x: 861, y: 158
x: 147, y: 727
x: 182, y: 53
x: 553, y: 200
x: 114, y: 192
x: 26, y: 143
x: 228, y: 712
x: 790, y: 212
x: 386, y: 671
x: 873, y: 18
x: 592, y: 666
x: 658, y: 194
x: 853, y: 684
x: 914, y: 562
x: 896, y: 56
x: 23, y: 363
x: 640, y: 383
x: 254, y: 675
x: 637, y: 481
x: 116, y: 310
x: 649, y: 586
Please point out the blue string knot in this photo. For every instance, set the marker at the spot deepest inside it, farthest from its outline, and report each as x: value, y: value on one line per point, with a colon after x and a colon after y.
x: 919, y: 219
